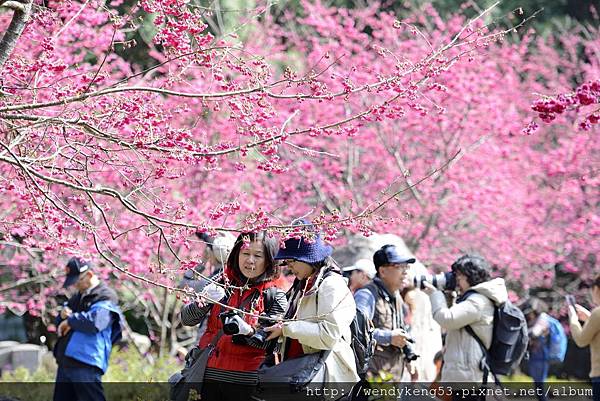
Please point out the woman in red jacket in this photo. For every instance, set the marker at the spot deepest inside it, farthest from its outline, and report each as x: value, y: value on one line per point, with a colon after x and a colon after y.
x: 249, y: 283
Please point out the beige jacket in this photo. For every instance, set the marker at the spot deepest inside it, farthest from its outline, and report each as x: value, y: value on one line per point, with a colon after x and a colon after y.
x: 463, y: 355
x: 589, y: 334
x: 327, y: 326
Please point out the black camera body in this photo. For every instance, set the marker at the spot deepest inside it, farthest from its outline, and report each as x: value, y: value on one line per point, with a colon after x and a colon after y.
x: 260, y: 336
x: 234, y: 324
x: 408, y: 352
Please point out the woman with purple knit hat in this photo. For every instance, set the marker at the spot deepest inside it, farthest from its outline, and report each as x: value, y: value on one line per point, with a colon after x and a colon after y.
x: 321, y: 309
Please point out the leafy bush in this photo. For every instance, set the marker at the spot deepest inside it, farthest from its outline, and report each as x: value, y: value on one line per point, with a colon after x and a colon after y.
x: 129, y: 377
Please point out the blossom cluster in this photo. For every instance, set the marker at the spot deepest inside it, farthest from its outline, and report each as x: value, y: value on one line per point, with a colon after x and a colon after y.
x: 587, y: 94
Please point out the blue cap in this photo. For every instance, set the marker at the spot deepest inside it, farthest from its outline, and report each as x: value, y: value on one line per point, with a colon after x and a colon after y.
x: 304, y: 251
x: 388, y: 254
x: 75, y: 267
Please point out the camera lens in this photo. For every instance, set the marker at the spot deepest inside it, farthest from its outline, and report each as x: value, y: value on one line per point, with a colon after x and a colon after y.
x: 442, y: 281
x: 230, y: 326
x: 449, y: 281
x: 230, y: 323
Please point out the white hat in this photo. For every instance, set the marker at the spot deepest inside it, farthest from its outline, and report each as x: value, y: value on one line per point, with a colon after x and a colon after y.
x: 364, y: 265
x: 222, y: 245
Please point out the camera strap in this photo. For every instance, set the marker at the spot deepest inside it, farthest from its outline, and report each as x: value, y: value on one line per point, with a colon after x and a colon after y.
x: 486, y: 353
x: 486, y: 356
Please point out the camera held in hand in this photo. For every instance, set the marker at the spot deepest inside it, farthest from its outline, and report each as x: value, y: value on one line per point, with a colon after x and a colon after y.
x: 442, y: 281
x: 409, y: 354
x: 260, y: 336
x: 234, y: 324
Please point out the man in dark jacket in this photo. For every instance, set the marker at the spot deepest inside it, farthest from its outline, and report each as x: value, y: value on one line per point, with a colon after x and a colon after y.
x: 88, y: 325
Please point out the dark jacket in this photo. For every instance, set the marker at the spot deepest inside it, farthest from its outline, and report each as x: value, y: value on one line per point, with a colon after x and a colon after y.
x: 95, y: 326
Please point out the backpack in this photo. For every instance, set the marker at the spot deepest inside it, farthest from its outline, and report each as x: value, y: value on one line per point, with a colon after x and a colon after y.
x: 362, y: 341
x: 556, y: 342
x: 509, y: 340
x: 363, y: 344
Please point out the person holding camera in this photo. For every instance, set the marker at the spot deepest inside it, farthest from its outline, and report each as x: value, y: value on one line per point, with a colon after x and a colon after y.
x: 216, y: 251
x: 382, y: 303
x: 463, y: 357
x: 589, y: 334
x: 89, y: 324
x: 321, y: 309
x: 247, y: 288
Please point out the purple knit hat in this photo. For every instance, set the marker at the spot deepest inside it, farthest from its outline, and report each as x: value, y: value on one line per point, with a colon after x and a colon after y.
x: 304, y: 251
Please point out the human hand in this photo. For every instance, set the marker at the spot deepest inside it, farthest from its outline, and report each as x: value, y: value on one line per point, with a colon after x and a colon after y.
x: 571, y: 312
x: 213, y: 293
x: 63, y: 328
x: 582, y: 313
x: 428, y: 288
x: 65, y: 312
x: 275, y: 331
x: 399, y: 338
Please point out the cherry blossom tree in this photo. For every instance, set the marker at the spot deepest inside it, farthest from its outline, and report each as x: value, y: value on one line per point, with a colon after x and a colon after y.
x: 420, y: 127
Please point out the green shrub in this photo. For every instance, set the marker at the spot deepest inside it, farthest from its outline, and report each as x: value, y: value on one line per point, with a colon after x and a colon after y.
x: 130, y: 376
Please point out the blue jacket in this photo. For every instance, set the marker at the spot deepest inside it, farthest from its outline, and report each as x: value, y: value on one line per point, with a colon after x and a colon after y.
x: 95, y: 331
x: 96, y: 324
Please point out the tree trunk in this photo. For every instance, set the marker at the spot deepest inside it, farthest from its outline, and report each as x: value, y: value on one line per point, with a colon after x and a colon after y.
x: 22, y: 12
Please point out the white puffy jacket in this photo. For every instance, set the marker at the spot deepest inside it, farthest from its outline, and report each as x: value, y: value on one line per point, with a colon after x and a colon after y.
x: 327, y: 326
x: 463, y: 355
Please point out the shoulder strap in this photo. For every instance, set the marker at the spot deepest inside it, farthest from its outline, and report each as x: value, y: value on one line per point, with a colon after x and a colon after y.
x: 466, y: 295
x: 373, y: 289
x: 326, y: 274
x: 270, y: 296
x: 486, y: 353
x: 399, y: 311
x: 324, y: 353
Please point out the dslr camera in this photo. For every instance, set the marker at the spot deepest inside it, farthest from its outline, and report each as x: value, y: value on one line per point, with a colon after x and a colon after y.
x: 442, y: 281
x: 408, y: 352
x: 260, y: 335
x: 234, y: 324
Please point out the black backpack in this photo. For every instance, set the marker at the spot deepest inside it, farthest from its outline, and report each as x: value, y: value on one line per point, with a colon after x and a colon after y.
x: 509, y: 340
x: 362, y: 342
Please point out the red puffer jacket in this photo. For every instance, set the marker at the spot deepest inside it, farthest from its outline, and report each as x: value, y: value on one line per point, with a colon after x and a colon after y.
x: 227, y: 355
